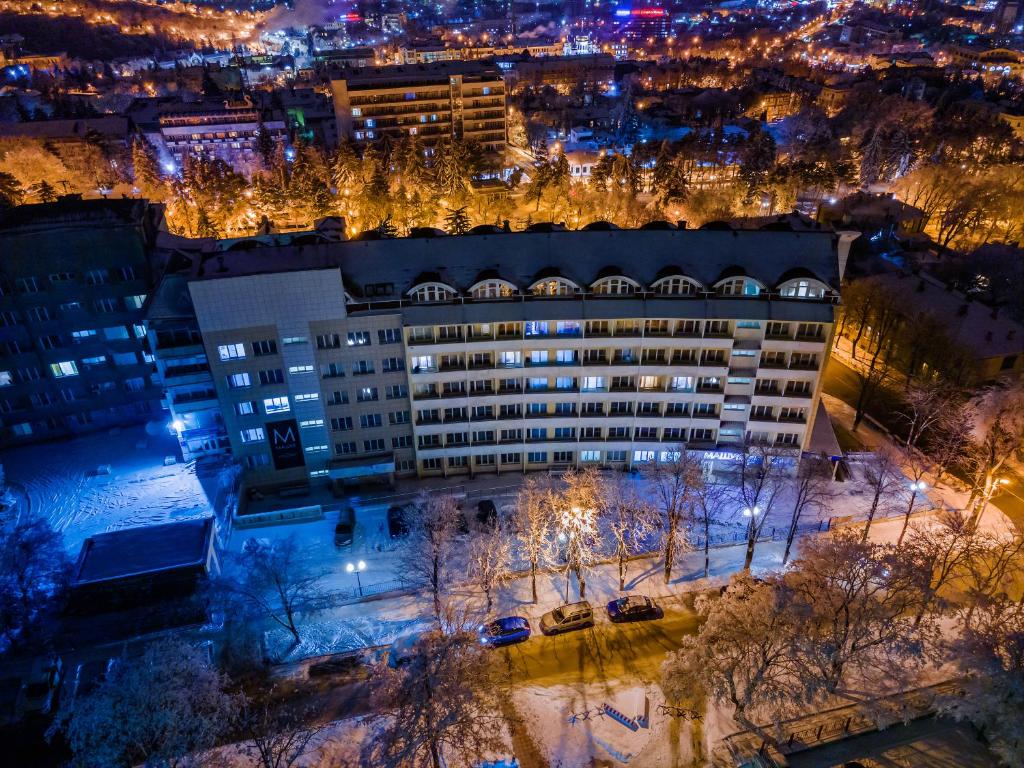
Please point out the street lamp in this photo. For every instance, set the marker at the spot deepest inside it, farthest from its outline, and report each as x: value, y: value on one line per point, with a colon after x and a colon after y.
x: 356, y: 569
x: 915, y: 487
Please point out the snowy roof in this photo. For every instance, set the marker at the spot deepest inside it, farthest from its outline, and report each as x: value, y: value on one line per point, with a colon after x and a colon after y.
x: 145, y: 550
x: 520, y: 257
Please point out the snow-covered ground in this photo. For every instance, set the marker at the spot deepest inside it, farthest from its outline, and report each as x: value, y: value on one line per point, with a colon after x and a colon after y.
x: 69, y: 482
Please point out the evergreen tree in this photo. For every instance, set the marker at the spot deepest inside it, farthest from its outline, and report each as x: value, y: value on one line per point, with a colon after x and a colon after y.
x: 757, y: 160
x: 45, y: 192
x: 387, y: 228
x: 457, y: 221
x: 10, y: 191
x: 265, y: 145
x: 146, y: 169
x: 448, y: 178
x: 601, y: 173
x: 346, y: 171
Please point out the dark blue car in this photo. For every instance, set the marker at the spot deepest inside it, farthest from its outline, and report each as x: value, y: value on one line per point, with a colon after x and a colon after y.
x: 506, y: 631
x: 634, y: 608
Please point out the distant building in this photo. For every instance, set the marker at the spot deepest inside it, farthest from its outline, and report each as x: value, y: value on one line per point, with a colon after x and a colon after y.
x: 994, y: 341
x: 75, y: 279
x: 564, y: 73
x: 832, y: 98
x: 226, y: 130
x: 445, y: 100
x: 775, y: 104
x: 874, y: 215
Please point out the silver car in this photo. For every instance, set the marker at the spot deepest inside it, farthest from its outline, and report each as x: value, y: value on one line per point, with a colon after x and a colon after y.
x: 567, y: 618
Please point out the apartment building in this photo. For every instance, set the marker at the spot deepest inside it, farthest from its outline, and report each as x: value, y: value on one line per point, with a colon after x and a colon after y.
x: 517, y: 351
x: 75, y: 277
x: 443, y: 100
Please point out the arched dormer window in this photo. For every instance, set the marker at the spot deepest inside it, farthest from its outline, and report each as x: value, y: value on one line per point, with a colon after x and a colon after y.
x: 554, y: 286
x: 804, y: 288
x: 492, y: 289
x: 739, y: 286
x: 676, y: 285
x: 431, y: 293
x: 616, y: 285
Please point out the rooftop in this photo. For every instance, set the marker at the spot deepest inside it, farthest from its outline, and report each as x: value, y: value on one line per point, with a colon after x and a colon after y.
x: 145, y: 550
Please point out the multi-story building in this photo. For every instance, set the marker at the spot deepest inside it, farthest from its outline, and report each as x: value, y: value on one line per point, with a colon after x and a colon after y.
x: 564, y: 73
x: 74, y: 283
x: 226, y: 130
x: 525, y: 351
x: 444, y: 100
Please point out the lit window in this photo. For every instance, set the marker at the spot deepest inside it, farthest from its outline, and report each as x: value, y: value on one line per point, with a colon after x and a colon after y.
x: 306, y: 396
x: 239, y: 380
x: 66, y: 368
x: 252, y: 435
x: 295, y: 369
x: 276, y: 405
x: 231, y: 351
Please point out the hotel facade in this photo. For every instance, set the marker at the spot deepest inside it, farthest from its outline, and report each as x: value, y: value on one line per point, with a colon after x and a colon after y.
x: 495, y: 352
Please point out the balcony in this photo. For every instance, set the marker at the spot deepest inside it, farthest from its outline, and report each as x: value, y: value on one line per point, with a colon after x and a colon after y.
x: 811, y: 366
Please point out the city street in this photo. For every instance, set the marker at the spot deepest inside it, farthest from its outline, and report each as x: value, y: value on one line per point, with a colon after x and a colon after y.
x: 842, y: 382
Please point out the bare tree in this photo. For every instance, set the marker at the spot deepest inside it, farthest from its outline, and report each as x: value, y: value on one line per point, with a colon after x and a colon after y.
x: 883, y: 474
x: 884, y: 322
x: 278, y: 735
x: 995, y: 565
x: 489, y: 562
x: 534, y: 524
x: 951, y: 443
x: 741, y: 654
x: 762, y: 477
x: 1001, y: 428
x: 916, y: 466
x: 34, y: 570
x: 675, y: 482
x: 277, y: 580
x: 710, y: 499
x: 441, y: 704
x: 430, y: 543
x: 631, y: 520
x: 812, y: 490
x: 938, y: 553
x: 926, y: 405
x: 165, y: 707
x: 990, y: 658
x: 576, y: 509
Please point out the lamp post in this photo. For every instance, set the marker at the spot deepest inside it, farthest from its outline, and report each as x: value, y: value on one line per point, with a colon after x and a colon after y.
x: 915, y: 487
x: 356, y: 568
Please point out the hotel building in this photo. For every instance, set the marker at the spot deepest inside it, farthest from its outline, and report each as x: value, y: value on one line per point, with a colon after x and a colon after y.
x: 444, y: 100
x: 519, y: 351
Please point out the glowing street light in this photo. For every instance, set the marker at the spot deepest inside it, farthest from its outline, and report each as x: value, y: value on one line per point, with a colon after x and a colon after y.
x: 356, y: 568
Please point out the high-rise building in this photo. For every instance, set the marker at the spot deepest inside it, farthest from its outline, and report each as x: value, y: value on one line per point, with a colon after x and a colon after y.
x: 75, y: 279
x: 443, y: 100
x: 498, y: 352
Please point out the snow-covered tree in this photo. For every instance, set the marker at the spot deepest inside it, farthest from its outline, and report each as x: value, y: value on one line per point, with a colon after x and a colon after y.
x: 884, y: 476
x: 457, y: 221
x: 33, y: 574
x: 278, y: 736
x: 432, y: 531
x: 675, y: 483
x: 442, y: 704
x: 631, y: 521
x: 990, y: 658
x: 926, y: 406
x: 811, y: 488
x: 277, y: 580
x: 11, y: 193
x: 938, y: 553
x: 489, y: 562
x: 576, y: 507
x: 711, y: 500
x: 852, y: 605
x: 163, y: 708
x: 993, y: 568
x: 534, y: 524
x: 1000, y: 419
x: 762, y: 478
x: 916, y: 466
x: 740, y: 655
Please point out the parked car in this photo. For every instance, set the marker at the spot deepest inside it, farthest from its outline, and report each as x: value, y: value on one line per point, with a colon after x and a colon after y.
x: 567, y: 618
x: 398, y: 526
x: 634, y: 608
x: 487, y: 514
x: 39, y: 688
x: 345, y: 527
x: 505, y: 631
x: 403, y: 650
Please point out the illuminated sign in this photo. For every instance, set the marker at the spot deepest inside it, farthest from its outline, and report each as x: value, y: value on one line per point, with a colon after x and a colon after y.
x: 643, y: 13
x: 285, y: 447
